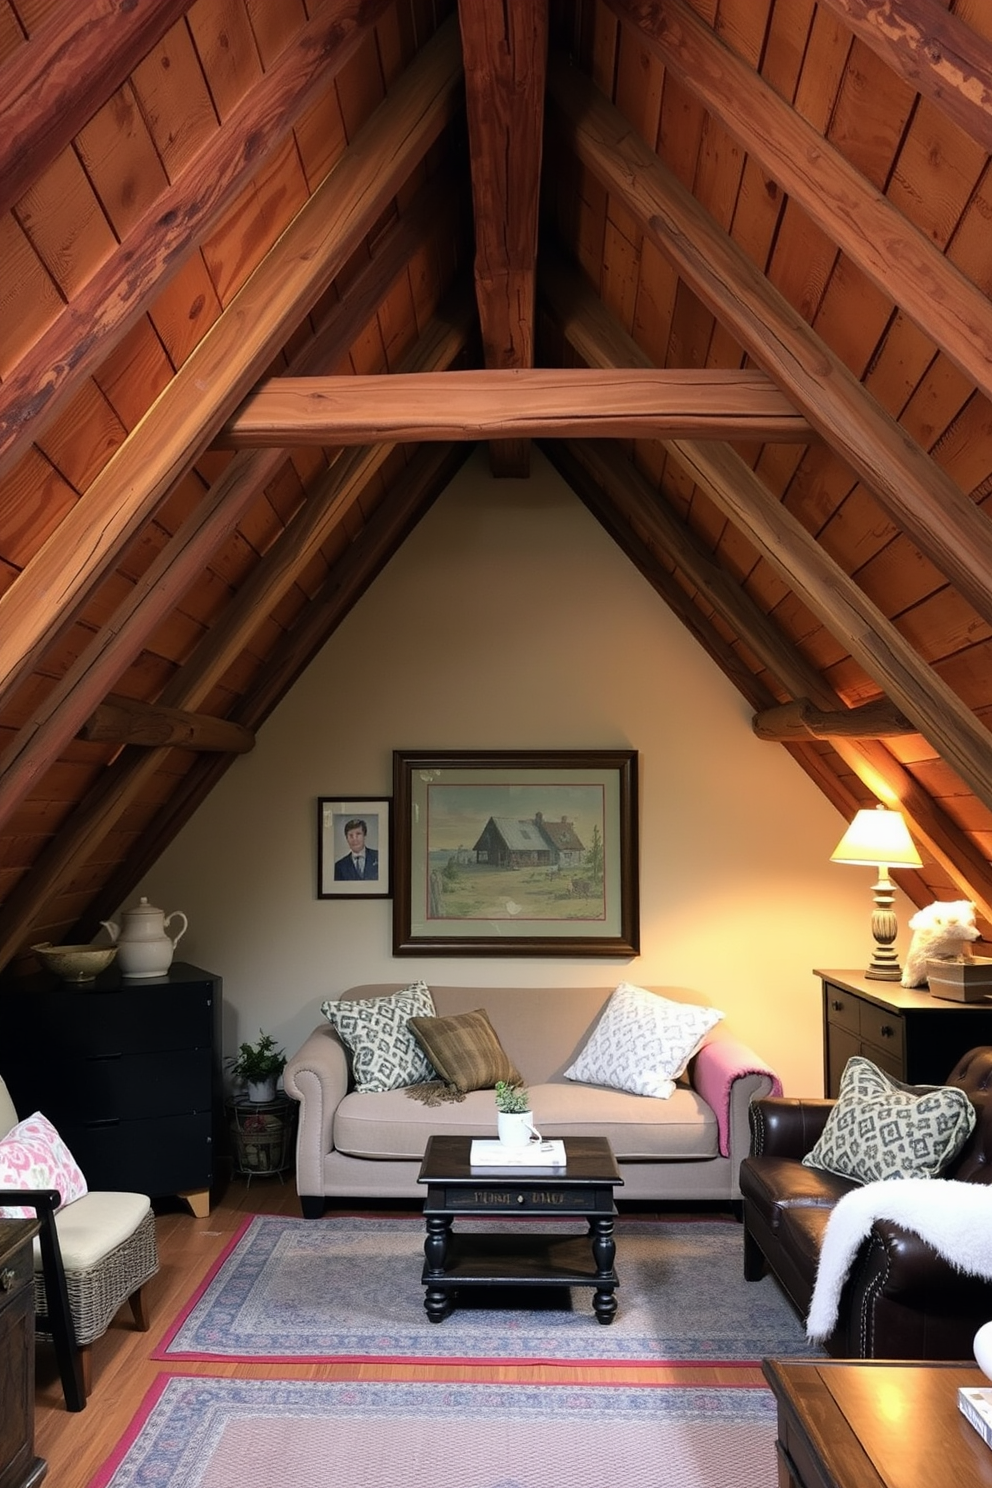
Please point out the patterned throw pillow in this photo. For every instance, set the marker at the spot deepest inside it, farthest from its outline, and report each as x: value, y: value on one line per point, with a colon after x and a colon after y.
x: 384, y: 1053
x: 33, y: 1155
x: 466, y: 1050
x: 880, y: 1128
x: 642, y: 1043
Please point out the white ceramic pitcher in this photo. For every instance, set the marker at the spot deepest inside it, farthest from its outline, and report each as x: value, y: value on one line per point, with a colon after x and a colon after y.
x: 143, y: 947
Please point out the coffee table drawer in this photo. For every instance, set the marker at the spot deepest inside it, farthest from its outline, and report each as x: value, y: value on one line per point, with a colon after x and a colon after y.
x: 507, y: 1199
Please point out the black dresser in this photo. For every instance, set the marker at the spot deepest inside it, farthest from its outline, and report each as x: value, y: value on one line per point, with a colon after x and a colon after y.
x: 128, y: 1071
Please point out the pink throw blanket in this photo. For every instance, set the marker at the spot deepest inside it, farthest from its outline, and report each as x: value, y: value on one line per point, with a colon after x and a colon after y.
x: 718, y: 1064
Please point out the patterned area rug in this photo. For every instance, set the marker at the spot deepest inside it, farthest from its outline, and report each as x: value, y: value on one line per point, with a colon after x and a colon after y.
x: 195, y: 1432
x: 350, y: 1289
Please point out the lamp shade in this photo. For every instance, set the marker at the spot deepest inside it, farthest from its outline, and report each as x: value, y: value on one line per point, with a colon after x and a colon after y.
x: 877, y: 836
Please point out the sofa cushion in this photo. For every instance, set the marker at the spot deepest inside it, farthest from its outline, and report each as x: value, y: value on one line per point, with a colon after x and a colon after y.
x: 465, y: 1050
x: 390, y: 1126
x: 384, y: 1053
x: 642, y: 1043
x: 770, y: 1185
x: 881, y: 1128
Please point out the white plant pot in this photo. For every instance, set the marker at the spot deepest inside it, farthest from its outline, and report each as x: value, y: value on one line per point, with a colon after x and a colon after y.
x: 262, y: 1090
x: 516, y: 1128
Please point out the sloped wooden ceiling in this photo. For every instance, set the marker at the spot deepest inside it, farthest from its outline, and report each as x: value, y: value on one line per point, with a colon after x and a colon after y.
x: 729, y: 260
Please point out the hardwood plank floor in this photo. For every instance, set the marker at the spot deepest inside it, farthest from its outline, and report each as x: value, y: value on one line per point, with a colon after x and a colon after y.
x: 75, y: 1445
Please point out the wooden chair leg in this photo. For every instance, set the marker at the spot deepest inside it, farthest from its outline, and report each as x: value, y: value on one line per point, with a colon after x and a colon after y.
x: 138, y: 1310
x: 86, y: 1367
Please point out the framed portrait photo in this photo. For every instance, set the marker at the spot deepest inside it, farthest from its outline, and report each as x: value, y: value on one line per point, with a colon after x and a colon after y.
x: 516, y: 853
x: 354, y: 860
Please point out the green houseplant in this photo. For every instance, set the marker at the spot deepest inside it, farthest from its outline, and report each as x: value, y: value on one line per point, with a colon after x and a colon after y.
x: 259, y: 1065
x: 512, y: 1100
x: 514, y: 1118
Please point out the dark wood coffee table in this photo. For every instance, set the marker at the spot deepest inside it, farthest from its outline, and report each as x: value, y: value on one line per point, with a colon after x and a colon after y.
x: 456, y: 1259
x: 868, y: 1424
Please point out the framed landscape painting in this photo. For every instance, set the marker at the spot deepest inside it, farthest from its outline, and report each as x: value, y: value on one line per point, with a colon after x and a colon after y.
x: 353, y: 848
x: 526, y: 853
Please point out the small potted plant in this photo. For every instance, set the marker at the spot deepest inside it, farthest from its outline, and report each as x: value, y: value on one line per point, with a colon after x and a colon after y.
x: 259, y: 1065
x: 514, y: 1117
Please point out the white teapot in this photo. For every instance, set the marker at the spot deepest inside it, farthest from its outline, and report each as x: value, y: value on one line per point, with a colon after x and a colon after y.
x: 143, y: 948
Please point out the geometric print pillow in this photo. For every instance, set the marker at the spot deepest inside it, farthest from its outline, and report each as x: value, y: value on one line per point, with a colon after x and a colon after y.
x: 642, y: 1043
x: 384, y: 1053
x: 33, y: 1155
x: 880, y: 1128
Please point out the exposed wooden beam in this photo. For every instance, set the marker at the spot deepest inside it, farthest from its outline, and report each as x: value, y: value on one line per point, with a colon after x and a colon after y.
x: 599, y: 340
x: 219, y: 371
x: 505, y: 49
x: 159, y: 243
x: 122, y: 720
x: 802, y: 719
x: 55, y: 83
x: 552, y: 403
x: 122, y: 781
x: 915, y: 492
x: 943, y: 58
x: 60, y: 713
x: 899, y: 259
x: 428, y: 473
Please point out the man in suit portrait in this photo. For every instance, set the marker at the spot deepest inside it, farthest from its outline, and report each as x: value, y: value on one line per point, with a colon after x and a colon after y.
x: 361, y: 861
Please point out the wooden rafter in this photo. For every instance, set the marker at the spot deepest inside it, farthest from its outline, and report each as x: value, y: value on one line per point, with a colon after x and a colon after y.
x: 945, y: 60
x: 913, y: 489
x: 121, y: 720
x: 51, y: 86
x: 898, y: 258
x: 552, y: 403
x: 96, y: 670
x: 505, y: 49
x: 803, y: 719
x: 223, y: 365
x: 167, y: 233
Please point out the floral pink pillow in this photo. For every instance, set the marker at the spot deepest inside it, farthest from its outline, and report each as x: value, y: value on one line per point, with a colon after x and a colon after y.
x: 33, y: 1155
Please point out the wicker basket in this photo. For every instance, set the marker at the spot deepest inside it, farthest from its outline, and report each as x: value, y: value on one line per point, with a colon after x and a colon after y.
x: 262, y: 1134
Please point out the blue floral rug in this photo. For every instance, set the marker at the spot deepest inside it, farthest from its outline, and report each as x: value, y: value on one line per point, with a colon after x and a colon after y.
x: 196, y: 1432
x: 350, y: 1289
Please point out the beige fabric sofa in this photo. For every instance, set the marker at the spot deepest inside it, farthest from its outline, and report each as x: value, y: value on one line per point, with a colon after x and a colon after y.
x: 369, y: 1146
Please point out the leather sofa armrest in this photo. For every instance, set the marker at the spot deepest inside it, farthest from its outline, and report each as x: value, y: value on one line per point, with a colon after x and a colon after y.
x: 787, y: 1126
x: 316, y: 1076
x: 903, y: 1267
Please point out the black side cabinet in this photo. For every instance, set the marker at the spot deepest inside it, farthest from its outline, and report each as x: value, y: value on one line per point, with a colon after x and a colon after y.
x: 910, y: 1034
x: 128, y: 1071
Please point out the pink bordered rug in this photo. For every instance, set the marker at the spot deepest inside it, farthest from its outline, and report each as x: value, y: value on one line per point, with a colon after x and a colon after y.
x: 203, y: 1432
x: 350, y: 1289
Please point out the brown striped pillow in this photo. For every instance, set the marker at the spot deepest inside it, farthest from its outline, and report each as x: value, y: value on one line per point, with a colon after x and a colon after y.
x: 465, y: 1050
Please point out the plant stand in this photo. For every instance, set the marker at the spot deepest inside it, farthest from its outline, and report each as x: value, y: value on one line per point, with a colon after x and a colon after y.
x: 262, y: 1135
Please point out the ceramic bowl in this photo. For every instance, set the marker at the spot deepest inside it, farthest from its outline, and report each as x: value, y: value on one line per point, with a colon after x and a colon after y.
x: 75, y: 963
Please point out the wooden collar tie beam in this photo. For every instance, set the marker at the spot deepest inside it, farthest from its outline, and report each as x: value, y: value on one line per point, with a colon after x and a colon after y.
x: 515, y: 403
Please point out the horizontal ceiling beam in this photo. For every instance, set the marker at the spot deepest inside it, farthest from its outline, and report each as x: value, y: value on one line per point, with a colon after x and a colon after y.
x: 121, y: 720
x: 624, y: 403
x: 803, y: 720
x: 896, y: 256
x: 916, y: 493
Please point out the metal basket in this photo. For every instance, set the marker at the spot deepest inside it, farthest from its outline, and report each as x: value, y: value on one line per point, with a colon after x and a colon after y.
x: 262, y: 1134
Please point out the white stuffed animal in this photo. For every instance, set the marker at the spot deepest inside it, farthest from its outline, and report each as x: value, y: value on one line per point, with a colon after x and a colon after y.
x: 940, y: 931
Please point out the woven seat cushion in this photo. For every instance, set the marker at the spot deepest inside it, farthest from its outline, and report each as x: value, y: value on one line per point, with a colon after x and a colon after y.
x: 96, y: 1224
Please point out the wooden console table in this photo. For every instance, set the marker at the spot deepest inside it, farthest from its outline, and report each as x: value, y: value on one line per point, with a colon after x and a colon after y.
x: 875, y: 1425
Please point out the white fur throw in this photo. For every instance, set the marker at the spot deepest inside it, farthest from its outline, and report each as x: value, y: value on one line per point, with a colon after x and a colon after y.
x: 954, y: 1218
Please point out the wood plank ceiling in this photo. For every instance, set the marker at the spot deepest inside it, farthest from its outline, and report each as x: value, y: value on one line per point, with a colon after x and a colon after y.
x: 729, y: 260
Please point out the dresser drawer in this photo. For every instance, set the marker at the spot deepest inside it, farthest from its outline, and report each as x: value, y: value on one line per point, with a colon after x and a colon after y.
x: 842, y: 1008
x: 885, y: 1029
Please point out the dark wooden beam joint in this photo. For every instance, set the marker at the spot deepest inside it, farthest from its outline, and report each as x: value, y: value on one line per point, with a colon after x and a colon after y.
x: 121, y: 720
x: 803, y: 720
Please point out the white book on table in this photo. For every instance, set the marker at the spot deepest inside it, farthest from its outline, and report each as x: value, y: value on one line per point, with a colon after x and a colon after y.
x: 492, y: 1154
x: 976, y: 1406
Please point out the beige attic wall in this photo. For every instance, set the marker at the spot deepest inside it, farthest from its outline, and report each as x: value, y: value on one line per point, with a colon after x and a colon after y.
x: 738, y: 899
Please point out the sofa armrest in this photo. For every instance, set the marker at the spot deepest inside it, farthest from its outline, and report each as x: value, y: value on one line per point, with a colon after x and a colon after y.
x: 729, y: 1075
x: 316, y: 1076
x: 785, y: 1126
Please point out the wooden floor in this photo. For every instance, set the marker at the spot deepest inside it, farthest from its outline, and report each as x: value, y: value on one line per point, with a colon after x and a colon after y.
x: 75, y: 1445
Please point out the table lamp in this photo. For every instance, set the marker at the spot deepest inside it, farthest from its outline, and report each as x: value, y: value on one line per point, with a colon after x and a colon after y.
x: 879, y: 839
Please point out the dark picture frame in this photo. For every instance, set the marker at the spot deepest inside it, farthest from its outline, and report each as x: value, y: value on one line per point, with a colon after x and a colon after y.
x: 336, y: 877
x: 529, y: 853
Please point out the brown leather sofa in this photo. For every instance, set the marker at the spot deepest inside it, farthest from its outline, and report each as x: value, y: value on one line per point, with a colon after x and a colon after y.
x: 901, y: 1299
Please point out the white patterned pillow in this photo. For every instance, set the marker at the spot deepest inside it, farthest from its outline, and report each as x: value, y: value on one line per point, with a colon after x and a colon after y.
x: 880, y: 1128
x: 33, y: 1155
x: 384, y: 1053
x: 642, y: 1043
